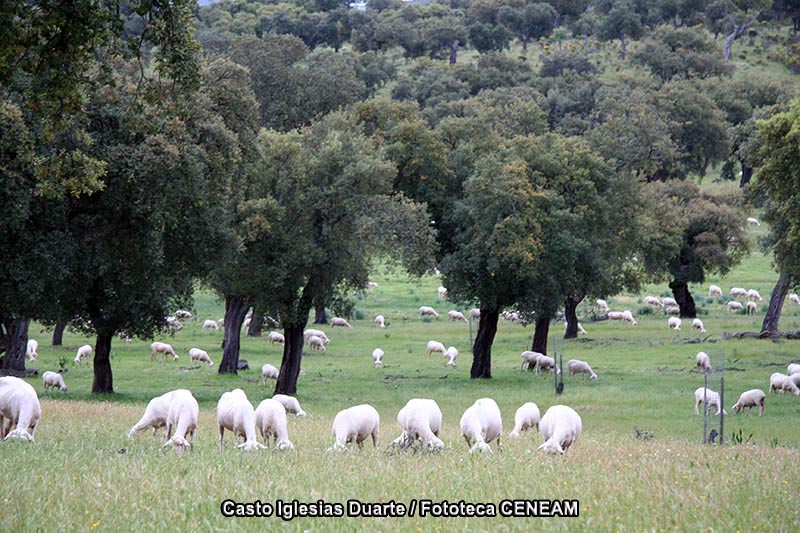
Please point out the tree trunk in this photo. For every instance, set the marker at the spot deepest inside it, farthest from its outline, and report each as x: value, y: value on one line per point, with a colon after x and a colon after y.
x: 320, y: 315
x: 541, y: 329
x: 680, y: 290
x: 292, y: 357
x: 737, y: 32
x: 623, y: 48
x: 747, y: 174
x: 454, y: 52
x: 103, y: 380
x: 524, y: 40
x: 571, y: 317
x: 773, y: 316
x: 235, y: 311
x: 256, y: 323
x: 482, y: 349
x: 58, y: 332
x: 15, y: 343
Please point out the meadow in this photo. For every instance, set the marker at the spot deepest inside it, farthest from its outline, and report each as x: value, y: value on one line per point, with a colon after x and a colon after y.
x: 639, y: 464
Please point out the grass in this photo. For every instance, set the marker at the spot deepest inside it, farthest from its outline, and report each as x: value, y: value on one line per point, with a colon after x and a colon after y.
x: 640, y: 463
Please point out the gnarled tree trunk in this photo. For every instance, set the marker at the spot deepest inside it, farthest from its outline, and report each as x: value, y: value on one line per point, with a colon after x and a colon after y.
x: 541, y: 329
x: 292, y: 357
x: 454, y: 51
x: 738, y: 31
x: 235, y: 311
x: 482, y: 348
x: 256, y: 323
x: 773, y: 316
x: 103, y: 382
x: 571, y: 316
x: 15, y: 344
x: 680, y: 290
x: 58, y: 332
x: 747, y: 174
x: 320, y: 315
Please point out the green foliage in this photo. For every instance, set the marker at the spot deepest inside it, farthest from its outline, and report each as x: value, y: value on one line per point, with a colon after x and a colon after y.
x: 685, y: 53
x: 737, y: 437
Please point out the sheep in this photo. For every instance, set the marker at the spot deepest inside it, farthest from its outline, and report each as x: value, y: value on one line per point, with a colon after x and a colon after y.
x: 451, y: 355
x: 601, y: 306
x: 338, y: 321
x: 123, y: 336
x: 52, y: 380
x: 698, y: 325
x: 750, y: 399
x: 316, y: 343
x: 667, y: 301
x: 428, y: 311
x: 754, y: 295
x: 377, y: 357
x: 580, y: 328
x: 627, y: 316
x: 19, y: 403
x: 196, y: 354
x: 291, y: 404
x: 456, y: 315
x: 182, y: 313
x: 751, y: 307
x: 482, y: 423
x: 380, y: 321
x: 370, y: 285
x: 82, y: 353
x: 275, y: 337
x: 530, y: 358
x: 30, y: 350
x: 793, y: 368
x: 674, y: 323
x: 182, y: 416
x: 246, y: 324
x: 781, y: 382
x: 575, y: 366
x: 794, y: 298
x: 714, y: 290
x: 526, y: 417
x: 702, y: 360
x: 210, y: 324
x: 615, y: 315
x: 738, y: 291
x: 441, y: 291
x: 221, y: 322
x: 560, y: 427
x: 475, y: 313
x: 435, y: 346
x: 752, y: 221
x: 271, y: 421
x: 710, y: 397
x: 652, y: 300
x: 173, y: 323
x: 420, y: 419
x: 163, y: 348
x: 316, y: 333
x: 155, y: 414
x: 268, y: 371
x: 513, y: 316
x: 672, y: 310
x: 235, y: 413
x: 734, y: 306
x: 354, y: 425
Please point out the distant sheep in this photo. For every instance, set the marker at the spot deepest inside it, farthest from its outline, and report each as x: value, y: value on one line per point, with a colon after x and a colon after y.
x: 793, y: 368
x: 601, y: 306
x: 668, y: 300
x: 475, y: 313
x: 674, y: 323
x: 754, y: 295
x: 672, y: 310
x: 794, y: 298
x: 752, y: 221
x: 428, y: 311
x: 210, y: 324
x: 526, y: 417
x: 698, y: 325
x: 268, y: 371
x: 420, y: 419
x: 615, y: 315
x: 750, y: 399
x: 560, y: 427
x: 271, y: 422
x: 380, y: 321
x: 738, y: 291
x: 575, y: 366
x: 435, y: 346
x: 275, y: 337
x: 162, y: 348
x: 182, y: 416
x: 30, y: 350
x: 354, y: 425
x: 155, y: 414
x: 752, y: 307
x: 714, y: 290
x: 441, y: 291
x: 291, y: 404
x: 377, y: 357
x: 711, y: 399
x: 456, y: 315
x: 370, y: 285
x: 482, y: 423
x: 173, y: 323
x: 236, y: 414
x: 83, y: 352
x: 652, y: 300
x: 182, y: 313
x: 316, y: 343
x: 580, y: 328
x: 201, y: 356
x: 451, y: 353
x: 316, y: 333
x: 782, y: 383
x: 19, y: 403
x: 544, y: 362
x: 52, y: 380
x: 702, y: 360
x: 627, y: 316
x: 339, y: 321
x: 530, y: 358
x: 734, y: 306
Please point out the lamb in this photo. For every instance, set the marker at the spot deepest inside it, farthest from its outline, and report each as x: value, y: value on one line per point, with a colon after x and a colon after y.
x: 379, y: 321
x: 441, y: 291
x: 30, y: 351
x: 291, y: 404
x: 338, y: 321
x: 751, y: 307
x: 377, y: 357
x: 667, y: 300
x: 627, y: 316
x: 155, y: 414
x: 710, y: 397
x: 674, y: 323
x: 456, y: 315
x: 702, y: 360
x: 235, y: 413
x: 750, y: 399
x: 355, y: 424
x: 794, y: 298
x: 182, y: 313
x: 210, y: 324
x: 83, y: 352
x: 714, y: 290
x: 182, y: 417
x: 271, y: 421
x: 316, y: 333
x: 601, y: 306
x: 196, y: 354
x: 163, y: 348
x: 530, y: 358
x: 268, y: 371
x: 698, y: 325
x: 672, y: 310
x: 475, y: 313
x: 734, y: 306
x: 451, y: 355
x: 793, y: 368
x: 526, y: 417
x: 738, y: 291
x: 560, y: 426
x: 435, y: 346
x: 781, y: 382
x: 428, y: 311
x: 652, y: 300
x: 275, y: 337
x: 316, y: 343
x: 20, y: 405
x: 615, y: 315
x: 754, y: 295
x: 420, y: 419
x: 482, y: 423
x: 575, y: 366
x: 752, y: 221
x: 52, y: 380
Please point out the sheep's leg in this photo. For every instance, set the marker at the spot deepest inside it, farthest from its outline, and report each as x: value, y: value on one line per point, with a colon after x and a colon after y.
x: 469, y: 442
x: 696, y: 406
x: 375, y: 439
x: 221, y: 436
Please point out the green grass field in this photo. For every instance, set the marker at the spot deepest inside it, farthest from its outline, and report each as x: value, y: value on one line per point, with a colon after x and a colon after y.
x: 639, y: 464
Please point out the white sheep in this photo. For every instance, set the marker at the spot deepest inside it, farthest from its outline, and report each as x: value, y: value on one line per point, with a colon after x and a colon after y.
x: 441, y: 291
x: 714, y: 290
x: 370, y: 285
x: 291, y: 404
x: 601, y: 306
x: 316, y: 333
x: 246, y: 324
x: 734, y: 306
x: 674, y: 323
x: 738, y: 291
x: 155, y: 414
x: 82, y: 353
x: 30, y: 350
x: 316, y: 343
x: 377, y: 357
x: 750, y: 399
x: 560, y: 426
x: 236, y: 414
x: 173, y: 323
x: 526, y: 417
x: 781, y: 382
x: 475, y: 313
x: 52, y: 380
x: 668, y: 300
x: 275, y: 337
x: 751, y: 307
x: 420, y: 419
x: 793, y: 368
x: 210, y: 324
x: 530, y: 358
x: 19, y: 403
x: 339, y: 321
x: 794, y: 298
x: 512, y: 316
x: 271, y: 422
x: 196, y: 354
x: 182, y: 416
x: 380, y: 321
x: 672, y: 310
x: 710, y: 398
x: 162, y: 348
x: 615, y: 315
x: 456, y: 315
x: 221, y: 322
x: 752, y: 221
x: 702, y: 360
x: 268, y: 371
x: 627, y: 316
x: 576, y: 366
x: 544, y: 362
x: 435, y: 346
x: 451, y: 353
x: 754, y: 295
x: 482, y: 423
x: 698, y: 325
x: 354, y: 425
x: 428, y: 311
x: 580, y: 328
x: 182, y: 313
x: 652, y: 300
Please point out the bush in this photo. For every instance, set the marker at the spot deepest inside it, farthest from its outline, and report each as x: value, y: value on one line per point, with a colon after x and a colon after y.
x: 360, y: 314
x: 646, y: 310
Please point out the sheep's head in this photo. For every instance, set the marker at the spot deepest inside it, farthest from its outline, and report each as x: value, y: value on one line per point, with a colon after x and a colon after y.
x: 736, y: 408
x: 251, y: 445
x: 435, y: 444
x: 20, y: 434
x: 551, y: 446
x: 284, y: 445
x: 480, y: 446
x: 593, y: 376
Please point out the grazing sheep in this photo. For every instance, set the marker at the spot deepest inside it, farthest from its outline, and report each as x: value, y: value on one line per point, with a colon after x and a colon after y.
x: 291, y: 404
x: 268, y: 371
x: 738, y: 291
x: 794, y: 298
x: 456, y: 315
x: 19, y: 403
x: 560, y: 426
x: 513, y: 316
x: 379, y: 321
x: 615, y: 315
x: 221, y: 322
x: 316, y: 343
x: 420, y: 419
x: 428, y: 311
x: 435, y: 346
x: 83, y: 352
x: 710, y: 397
x: 702, y: 360
x: 182, y: 417
x: 30, y: 350
x: 482, y: 423
x: 164, y: 349
x: 275, y: 337
x: 316, y: 333
x: 752, y: 221
x: 377, y: 357
x: 672, y: 310
x: 754, y: 295
x: 235, y: 413
x: 271, y: 422
x: 575, y: 366
x: 441, y: 291
x: 714, y: 290
x: 667, y: 300
x: 182, y: 313
x: 781, y: 382
x: 173, y: 323
x: 698, y: 325
x: 601, y: 306
x: 339, y: 321
x: 52, y: 380
x: 734, y: 306
x: 354, y: 425
x: 155, y: 414
x: 750, y: 399
x: 793, y: 368
x: 370, y: 285
x: 652, y: 300
x: 627, y: 316
x: 530, y: 358
x: 476, y: 313
x: 526, y: 417
x: 751, y: 307
x: 196, y: 354
x: 451, y: 355
x: 210, y: 324
x: 123, y: 336
x: 674, y: 323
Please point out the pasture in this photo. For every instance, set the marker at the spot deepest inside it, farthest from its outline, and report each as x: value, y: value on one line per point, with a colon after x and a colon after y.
x: 639, y: 464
